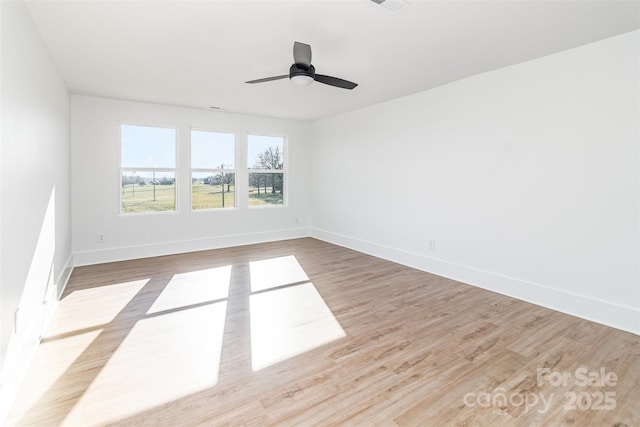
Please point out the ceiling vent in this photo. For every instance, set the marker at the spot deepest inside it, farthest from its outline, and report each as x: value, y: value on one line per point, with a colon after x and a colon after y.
x: 392, y: 5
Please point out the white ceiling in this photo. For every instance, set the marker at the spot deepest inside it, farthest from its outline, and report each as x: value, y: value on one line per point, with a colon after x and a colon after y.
x: 200, y: 53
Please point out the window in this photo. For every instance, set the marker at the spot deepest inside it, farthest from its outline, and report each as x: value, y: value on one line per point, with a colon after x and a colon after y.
x: 147, y: 169
x: 213, y: 177
x: 266, y: 163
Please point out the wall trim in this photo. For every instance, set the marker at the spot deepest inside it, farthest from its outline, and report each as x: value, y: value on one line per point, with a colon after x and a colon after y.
x: 22, y: 349
x: 607, y: 313
x: 183, y: 246
x: 65, y: 275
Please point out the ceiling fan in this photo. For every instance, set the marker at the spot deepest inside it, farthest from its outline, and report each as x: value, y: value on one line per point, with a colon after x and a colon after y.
x: 303, y: 73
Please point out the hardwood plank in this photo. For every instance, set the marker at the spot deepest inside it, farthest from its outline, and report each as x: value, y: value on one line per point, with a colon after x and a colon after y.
x: 168, y: 341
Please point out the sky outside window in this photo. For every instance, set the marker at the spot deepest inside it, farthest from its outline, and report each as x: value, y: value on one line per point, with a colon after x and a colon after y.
x: 258, y: 144
x: 148, y: 147
x: 209, y: 149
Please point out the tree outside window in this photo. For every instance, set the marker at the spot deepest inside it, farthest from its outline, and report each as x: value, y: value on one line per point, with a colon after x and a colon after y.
x: 267, y: 170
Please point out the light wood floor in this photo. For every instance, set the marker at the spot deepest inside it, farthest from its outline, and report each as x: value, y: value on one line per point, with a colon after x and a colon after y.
x: 305, y: 333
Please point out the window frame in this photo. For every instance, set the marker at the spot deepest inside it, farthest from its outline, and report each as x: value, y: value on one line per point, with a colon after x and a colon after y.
x: 122, y: 169
x: 214, y: 170
x: 284, y: 171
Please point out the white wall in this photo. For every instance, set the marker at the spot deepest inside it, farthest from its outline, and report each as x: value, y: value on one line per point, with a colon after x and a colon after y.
x: 525, y: 179
x: 96, y: 184
x: 35, y: 228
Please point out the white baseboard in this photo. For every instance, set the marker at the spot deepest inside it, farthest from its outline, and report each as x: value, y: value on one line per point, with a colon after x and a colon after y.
x: 169, y: 248
x: 22, y: 347
x: 64, y: 277
x: 617, y: 316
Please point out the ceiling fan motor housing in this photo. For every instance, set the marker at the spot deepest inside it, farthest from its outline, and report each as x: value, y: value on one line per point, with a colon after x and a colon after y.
x: 302, y: 70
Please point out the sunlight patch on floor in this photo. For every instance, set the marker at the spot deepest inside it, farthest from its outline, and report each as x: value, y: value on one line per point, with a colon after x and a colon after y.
x: 194, y: 287
x: 287, y: 322
x: 101, y: 305
x: 274, y: 272
x: 52, y: 361
x: 164, y: 358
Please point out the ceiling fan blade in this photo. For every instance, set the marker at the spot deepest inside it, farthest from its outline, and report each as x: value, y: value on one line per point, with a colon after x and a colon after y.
x: 302, y: 53
x: 268, y: 79
x: 334, y: 81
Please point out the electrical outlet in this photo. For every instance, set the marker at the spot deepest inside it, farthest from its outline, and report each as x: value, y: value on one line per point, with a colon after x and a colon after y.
x: 100, y: 237
x: 432, y: 245
x: 297, y: 220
